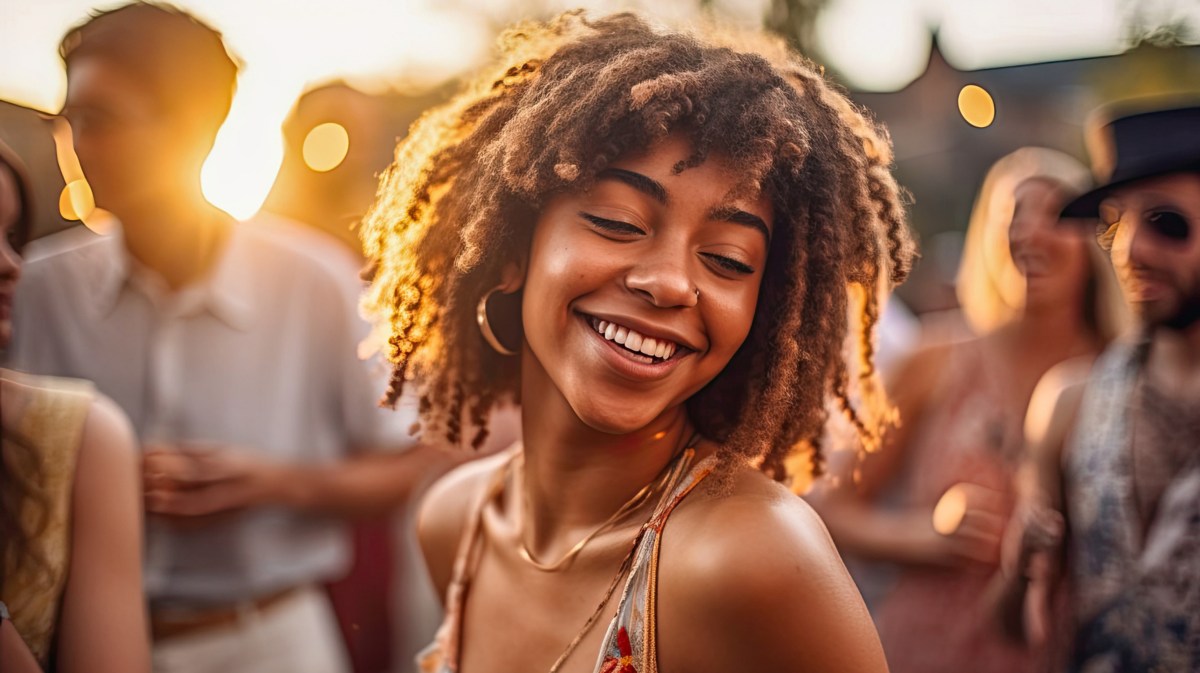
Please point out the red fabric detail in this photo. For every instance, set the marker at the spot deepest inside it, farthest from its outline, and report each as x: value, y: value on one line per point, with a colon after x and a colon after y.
x: 623, y: 645
x: 362, y: 599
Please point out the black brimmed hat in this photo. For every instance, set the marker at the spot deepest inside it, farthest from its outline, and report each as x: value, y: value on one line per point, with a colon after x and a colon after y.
x: 1138, y: 139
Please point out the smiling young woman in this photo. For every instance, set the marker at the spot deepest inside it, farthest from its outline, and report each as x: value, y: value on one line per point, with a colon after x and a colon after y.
x: 651, y: 241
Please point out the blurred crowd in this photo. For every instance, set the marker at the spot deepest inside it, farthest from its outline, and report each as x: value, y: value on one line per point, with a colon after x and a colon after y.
x: 197, y: 475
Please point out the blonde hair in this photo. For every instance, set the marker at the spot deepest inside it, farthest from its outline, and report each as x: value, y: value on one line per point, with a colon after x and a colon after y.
x: 990, y: 288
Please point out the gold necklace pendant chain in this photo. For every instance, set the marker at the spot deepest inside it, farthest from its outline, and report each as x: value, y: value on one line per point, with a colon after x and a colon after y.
x: 624, y: 510
x: 591, y: 621
x: 630, y: 505
x: 626, y: 563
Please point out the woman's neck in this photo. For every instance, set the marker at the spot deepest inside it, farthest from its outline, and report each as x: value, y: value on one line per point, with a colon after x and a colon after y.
x: 1053, y: 333
x: 574, y: 477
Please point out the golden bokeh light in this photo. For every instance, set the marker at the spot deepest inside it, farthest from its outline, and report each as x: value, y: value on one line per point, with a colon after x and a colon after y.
x: 950, y: 510
x: 76, y: 201
x: 325, y: 147
x: 976, y: 106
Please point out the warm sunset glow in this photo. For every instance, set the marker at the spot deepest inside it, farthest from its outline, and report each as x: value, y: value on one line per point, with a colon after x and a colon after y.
x: 76, y: 201
x: 976, y: 106
x: 876, y: 45
x: 950, y: 510
x: 286, y: 46
x: 325, y: 146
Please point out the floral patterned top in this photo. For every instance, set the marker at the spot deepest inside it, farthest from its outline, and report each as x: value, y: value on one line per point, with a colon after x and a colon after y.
x: 629, y: 643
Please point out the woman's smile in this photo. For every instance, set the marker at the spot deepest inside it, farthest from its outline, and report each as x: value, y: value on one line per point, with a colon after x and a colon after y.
x: 632, y: 353
x: 641, y: 288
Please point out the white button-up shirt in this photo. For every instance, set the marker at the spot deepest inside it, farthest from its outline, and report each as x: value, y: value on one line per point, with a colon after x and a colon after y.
x: 260, y: 354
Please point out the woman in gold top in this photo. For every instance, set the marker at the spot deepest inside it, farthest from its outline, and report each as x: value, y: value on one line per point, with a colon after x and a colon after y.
x: 70, y: 510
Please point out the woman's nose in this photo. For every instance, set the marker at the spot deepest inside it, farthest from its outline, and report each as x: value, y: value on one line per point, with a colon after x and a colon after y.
x: 10, y: 261
x: 662, y: 278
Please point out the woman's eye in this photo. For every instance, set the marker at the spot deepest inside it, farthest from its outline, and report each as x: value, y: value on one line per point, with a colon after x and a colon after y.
x: 612, y: 226
x: 729, y: 263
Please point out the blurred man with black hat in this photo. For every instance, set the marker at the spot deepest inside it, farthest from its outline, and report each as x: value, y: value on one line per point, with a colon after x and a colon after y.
x: 1115, y: 504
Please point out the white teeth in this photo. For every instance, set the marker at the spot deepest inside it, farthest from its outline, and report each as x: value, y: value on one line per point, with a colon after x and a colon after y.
x: 649, y: 346
x: 635, y: 341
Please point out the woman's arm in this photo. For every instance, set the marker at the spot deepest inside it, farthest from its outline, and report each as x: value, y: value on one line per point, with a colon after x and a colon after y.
x: 103, y: 626
x: 443, y: 512
x: 15, y: 656
x: 1032, y: 550
x: 861, y: 526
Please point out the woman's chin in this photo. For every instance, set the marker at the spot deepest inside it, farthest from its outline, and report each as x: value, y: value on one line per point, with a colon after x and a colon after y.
x: 615, y: 419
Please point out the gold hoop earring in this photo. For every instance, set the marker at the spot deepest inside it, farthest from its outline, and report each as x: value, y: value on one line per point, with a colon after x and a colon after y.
x: 485, y: 327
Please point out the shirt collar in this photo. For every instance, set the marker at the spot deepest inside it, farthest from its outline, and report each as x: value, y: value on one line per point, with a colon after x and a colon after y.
x: 110, y: 276
x: 224, y: 291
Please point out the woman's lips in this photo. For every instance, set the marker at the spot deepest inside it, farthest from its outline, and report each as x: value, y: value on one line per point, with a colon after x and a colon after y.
x: 654, y: 349
x: 631, y: 364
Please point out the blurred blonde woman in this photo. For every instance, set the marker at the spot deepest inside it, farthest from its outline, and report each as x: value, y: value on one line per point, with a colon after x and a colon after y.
x: 1033, y: 294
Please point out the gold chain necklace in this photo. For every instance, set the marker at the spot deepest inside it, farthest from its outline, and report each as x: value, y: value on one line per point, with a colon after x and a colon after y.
x: 624, y: 510
x: 591, y: 621
x: 626, y: 563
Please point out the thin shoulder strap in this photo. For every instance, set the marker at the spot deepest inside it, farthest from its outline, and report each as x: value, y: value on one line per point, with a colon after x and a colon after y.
x: 466, y: 562
x: 629, y: 643
x: 658, y: 523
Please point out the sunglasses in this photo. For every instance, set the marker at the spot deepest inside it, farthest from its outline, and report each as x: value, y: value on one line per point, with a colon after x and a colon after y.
x: 1167, y: 225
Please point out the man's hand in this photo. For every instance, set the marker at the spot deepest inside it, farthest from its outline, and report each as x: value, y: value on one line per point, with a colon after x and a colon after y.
x: 1032, y: 549
x: 195, y: 481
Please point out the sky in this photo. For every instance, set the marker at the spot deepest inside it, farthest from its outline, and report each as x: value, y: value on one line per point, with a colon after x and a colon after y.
x: 288, y: 44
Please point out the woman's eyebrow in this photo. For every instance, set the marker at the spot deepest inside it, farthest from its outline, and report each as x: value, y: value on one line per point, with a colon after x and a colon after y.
x: 640, y: 182
x: 739, y: 216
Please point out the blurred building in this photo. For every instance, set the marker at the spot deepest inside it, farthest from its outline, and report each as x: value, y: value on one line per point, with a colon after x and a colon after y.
x: 941, y: 158
x: 30, y: 134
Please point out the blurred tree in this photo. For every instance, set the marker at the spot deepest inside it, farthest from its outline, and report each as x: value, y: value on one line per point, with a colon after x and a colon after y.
x: 795, y: 20
x: 1164, y: 23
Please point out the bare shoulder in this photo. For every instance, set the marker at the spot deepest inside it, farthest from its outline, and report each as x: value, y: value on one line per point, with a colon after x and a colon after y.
x: 107, y: 450
x: 1064, y: 381
x: 750, y: 580
x: 108, y: 457
x: 1055, y: 402
x: 443, y: 511
x: 103, y: 616
x: 914, y: 381
x: 925, y: 361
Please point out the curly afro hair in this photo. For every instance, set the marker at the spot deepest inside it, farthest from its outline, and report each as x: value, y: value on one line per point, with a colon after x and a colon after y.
x: 571, y: 96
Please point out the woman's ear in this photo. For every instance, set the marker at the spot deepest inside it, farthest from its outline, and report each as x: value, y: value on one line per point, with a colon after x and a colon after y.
x: 512, y: 275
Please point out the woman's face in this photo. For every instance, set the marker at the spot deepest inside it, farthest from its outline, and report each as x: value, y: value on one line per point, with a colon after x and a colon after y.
x: 1051, y: 259
x: 640, y: 290
x: 10, y: 261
